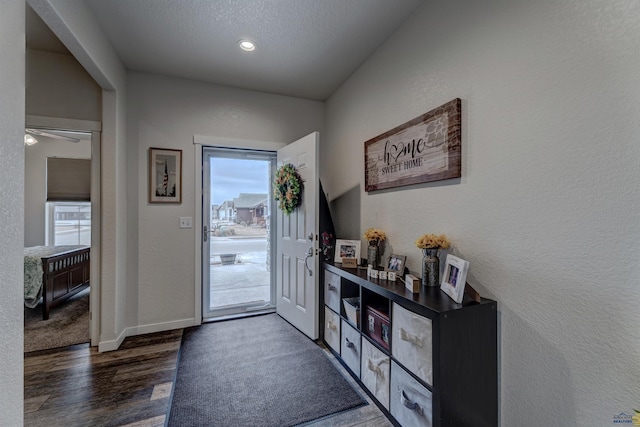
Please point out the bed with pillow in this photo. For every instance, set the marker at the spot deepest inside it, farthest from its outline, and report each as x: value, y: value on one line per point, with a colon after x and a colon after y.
x: 54, y: 273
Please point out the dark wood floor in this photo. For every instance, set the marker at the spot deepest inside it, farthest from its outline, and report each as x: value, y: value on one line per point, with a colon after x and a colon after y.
x: 77, y: 386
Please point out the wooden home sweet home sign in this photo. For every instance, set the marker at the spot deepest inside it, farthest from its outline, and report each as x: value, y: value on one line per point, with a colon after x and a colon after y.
x: 425, y: 149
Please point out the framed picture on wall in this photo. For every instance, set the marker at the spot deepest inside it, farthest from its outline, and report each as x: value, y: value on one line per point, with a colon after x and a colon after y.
x: 165, y: 175
x: 425, y: 149
x: 454, y: 277
x: 347, y: 249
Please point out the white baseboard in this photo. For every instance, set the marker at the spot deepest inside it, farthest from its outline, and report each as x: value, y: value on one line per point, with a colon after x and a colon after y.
x: 145, y: 329
x: 113, y: 344
x: 159, y: 327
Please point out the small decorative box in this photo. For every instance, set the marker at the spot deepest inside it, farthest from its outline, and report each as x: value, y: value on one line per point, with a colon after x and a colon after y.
x: 412, y: 283
x: 378, y: 327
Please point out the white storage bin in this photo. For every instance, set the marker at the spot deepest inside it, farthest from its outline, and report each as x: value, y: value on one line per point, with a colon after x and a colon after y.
x: 352, y: 310
x: 374, y: 372
x: 411, y: 402
x: 332, y: 290
x: 332, y: 329
x: 350, y: 347
x: 412, y: 342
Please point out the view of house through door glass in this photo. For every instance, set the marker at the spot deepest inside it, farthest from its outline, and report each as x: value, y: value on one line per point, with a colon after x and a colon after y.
x: 237, y: 249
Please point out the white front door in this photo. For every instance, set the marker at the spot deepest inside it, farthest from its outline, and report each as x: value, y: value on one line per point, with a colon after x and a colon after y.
x: 297, y: 284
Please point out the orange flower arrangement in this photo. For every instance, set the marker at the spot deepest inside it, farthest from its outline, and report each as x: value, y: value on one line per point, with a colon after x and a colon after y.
x: 375, y: 234
x: 433, y: 241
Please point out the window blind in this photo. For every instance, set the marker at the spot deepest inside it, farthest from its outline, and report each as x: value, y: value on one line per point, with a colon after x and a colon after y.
x: 68, y: 179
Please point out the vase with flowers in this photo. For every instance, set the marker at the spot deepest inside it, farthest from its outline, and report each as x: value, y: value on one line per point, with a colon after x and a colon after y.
x: 374, y: 236
x: 327, y: 245
x: 431, y: 245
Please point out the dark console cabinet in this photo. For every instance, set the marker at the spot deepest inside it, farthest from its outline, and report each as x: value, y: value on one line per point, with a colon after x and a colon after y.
x: 440, y: 367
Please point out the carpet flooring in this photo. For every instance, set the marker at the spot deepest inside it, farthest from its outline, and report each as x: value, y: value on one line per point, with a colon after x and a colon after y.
x: 256, y: 371
x: 68, y: 324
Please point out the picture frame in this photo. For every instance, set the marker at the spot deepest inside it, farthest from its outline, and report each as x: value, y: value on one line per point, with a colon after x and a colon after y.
x: 454, y: 278
x: 165, y: 175
x: 347, y: 249
x: 425, y: 149
x: 396, y: 264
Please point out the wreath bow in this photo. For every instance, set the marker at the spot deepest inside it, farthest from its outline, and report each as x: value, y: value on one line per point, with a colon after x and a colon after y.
x: 288, y: 188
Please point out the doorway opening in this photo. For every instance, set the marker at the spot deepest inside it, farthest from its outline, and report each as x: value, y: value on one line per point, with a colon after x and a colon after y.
x: 238, y: 242
x: 61, y: 196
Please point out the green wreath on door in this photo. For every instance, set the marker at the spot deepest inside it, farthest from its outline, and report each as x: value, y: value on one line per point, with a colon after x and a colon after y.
x: 288, y: 188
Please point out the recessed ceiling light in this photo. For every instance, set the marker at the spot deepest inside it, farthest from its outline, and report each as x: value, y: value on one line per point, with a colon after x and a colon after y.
x: 247, y: 45
x: 29, y: 140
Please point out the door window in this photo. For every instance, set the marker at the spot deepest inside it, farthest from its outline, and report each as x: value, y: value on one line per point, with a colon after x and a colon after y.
x: 237, y: 274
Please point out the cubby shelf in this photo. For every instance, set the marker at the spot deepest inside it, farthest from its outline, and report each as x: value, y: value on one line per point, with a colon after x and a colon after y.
x: 441, y: 364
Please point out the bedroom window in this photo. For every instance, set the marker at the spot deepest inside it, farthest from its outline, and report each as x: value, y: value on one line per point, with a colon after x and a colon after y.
x: 68, y: 223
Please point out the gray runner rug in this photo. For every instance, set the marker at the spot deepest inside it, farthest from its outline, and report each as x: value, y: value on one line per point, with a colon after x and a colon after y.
x: 256, y: 371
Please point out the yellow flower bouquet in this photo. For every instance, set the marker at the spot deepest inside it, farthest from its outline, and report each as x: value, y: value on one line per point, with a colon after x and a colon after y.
x: 375, y: 234
x: 433, y: 241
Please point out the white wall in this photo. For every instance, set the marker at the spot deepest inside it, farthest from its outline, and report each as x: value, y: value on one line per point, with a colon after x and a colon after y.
x: 72, y: 22
x: 58, y: 86
x: 546, y: 210
x: 35, y: 181
x: 12, y: 70
x: 167, y: 112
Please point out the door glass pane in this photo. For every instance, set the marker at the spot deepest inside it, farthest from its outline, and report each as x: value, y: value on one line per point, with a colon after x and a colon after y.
x: 240, y: 203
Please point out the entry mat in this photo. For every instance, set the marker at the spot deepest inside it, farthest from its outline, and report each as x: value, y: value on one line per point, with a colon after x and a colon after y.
x: 256, y: 371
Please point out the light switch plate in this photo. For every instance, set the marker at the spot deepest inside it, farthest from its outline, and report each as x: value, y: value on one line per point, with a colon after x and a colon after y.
x: 185, y: 222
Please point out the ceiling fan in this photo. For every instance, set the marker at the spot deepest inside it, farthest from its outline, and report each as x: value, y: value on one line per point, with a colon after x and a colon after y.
x: 48, y: 134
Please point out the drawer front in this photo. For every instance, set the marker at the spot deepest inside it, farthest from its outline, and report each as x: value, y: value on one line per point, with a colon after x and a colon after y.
x: 374, y: 372
x: 332, y: 329
x: 350, y: 347
x: 332, y: 290
x: 411, y: 402
x: 412, y: 342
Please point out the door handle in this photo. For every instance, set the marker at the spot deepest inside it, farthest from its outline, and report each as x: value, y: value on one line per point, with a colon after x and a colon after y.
x: 309, y: 254
x: 205, y: 233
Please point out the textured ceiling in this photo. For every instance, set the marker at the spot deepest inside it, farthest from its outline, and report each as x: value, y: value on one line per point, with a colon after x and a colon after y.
x: 305, y: 48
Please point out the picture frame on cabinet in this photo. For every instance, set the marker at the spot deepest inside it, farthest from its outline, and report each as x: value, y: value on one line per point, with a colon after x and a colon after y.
x: 396, y: 263
x: 454, y: 278
x: 347, y: 249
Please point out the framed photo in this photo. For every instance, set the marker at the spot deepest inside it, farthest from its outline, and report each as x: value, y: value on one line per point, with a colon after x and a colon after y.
x: 454, y: 277
x: 396, y: 263
x: 165, y: 175
x: 425, y: 149
x: 347, y: 249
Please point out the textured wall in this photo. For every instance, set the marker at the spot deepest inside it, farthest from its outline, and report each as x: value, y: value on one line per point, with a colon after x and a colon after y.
x: 546, y: 210
x: 166, y: 112
x: 12, y: 82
